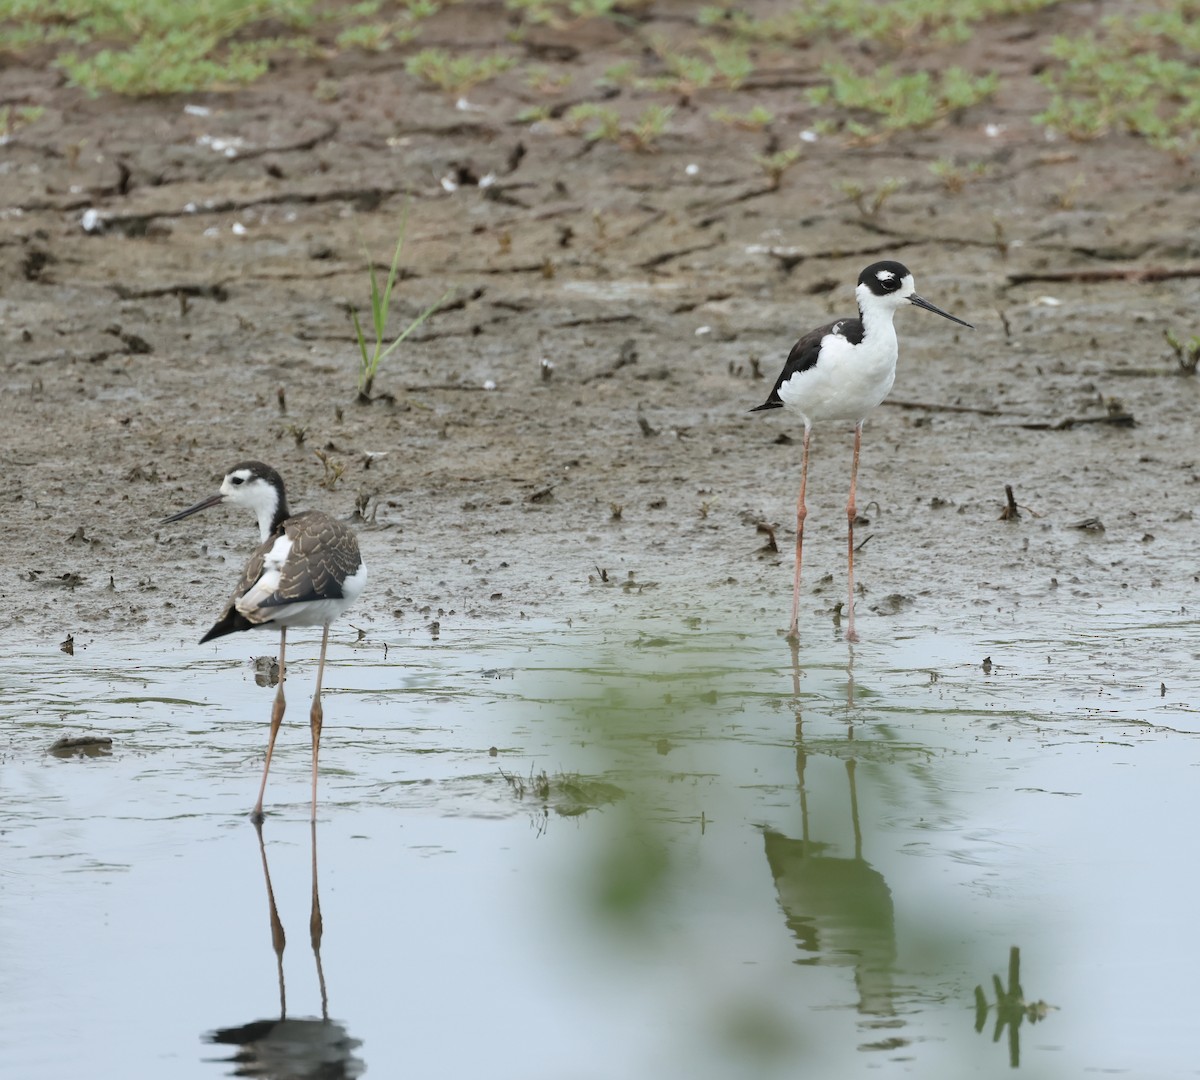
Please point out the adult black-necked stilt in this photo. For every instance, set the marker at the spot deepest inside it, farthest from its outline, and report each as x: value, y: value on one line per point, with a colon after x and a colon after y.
x: 841, y: 372
x: 306, y: 572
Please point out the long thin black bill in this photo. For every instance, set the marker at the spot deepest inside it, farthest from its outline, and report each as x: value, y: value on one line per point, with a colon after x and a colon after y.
x: 194, y: 509
x: 938, y: 311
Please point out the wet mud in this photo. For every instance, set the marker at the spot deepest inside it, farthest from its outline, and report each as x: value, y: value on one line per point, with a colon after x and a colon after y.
x: 570, y: 435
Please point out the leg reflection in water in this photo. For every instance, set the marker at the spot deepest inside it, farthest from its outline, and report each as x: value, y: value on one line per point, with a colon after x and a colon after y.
x: 838, y: 907
x: 286, y: 1048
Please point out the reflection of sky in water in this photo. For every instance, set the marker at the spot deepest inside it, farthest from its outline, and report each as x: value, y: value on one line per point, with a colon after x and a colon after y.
x: 705, y: 924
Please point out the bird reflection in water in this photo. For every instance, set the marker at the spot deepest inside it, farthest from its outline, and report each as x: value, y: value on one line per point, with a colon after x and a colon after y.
x: 292, y: 1049
x: 839, y: 908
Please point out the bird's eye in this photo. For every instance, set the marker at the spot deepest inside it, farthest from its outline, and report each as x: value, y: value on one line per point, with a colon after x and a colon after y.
x: 235, y: 480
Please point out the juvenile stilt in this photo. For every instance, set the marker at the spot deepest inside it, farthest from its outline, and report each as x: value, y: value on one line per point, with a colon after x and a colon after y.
x: 276, y: 720
x: 306, y: 571
x: 316, y: 718
x: 851, y: 513
x: 801, y: 513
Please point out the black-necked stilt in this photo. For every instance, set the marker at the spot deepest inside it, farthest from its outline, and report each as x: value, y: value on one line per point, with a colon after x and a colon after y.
x: 306, y: 572
x: 841, y: 372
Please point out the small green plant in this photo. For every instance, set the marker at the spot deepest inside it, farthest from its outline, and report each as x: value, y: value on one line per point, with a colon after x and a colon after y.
x: 541, y: 80
x: 1137, y: 74
x: 13, y: 119
x: 899, y: 101
x: 649, y: 127
x: 603, y: 123
x: 334, y: 470
x: 1187, y: 353
x: 870, y: 203
x: 1066, y: 198
x: 894, y: 26
x: 754, y: 119
x: 622, y: 74
x: 594, y: 121
x: 954, y: 176
x: 731, y: 60
x: 727, y: 65
x: 456, y: 74
x: 534, y: 114
x: 775, y: 165
x: 373, y: 353
x: 146, y: 47
x: 559, y: 13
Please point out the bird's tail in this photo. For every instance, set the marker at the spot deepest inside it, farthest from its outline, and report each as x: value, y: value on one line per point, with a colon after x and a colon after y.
x: 229, y: 623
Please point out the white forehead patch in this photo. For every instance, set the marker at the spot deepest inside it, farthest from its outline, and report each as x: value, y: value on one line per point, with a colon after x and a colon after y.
x: 885, y: 275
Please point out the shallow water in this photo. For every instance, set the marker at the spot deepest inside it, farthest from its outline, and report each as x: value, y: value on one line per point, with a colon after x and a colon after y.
x: 732, y: 865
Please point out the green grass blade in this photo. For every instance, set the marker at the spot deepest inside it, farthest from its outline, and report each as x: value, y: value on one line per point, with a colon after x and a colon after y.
x: 416, y: 322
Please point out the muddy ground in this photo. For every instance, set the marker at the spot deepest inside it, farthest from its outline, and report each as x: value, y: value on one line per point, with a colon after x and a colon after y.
x: 206, y: 322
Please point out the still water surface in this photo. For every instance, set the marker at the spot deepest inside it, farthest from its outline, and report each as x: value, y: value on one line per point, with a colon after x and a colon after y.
x: 657, y: 849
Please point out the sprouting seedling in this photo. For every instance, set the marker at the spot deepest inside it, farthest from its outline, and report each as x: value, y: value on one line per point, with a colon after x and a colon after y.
x: 775, y: 165
x: 1186, y: 352
x: 372, y: 354
x: 870, y: 203
x: 456, y: 74
x: 333, y: 469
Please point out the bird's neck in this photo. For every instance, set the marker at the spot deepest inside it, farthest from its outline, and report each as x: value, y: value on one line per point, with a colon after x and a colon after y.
x: 876, y: 321
x: 271, y: 514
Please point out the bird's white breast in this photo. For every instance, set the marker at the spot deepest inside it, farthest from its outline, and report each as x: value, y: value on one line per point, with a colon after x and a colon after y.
x: 847, y: 381
x: 268, y: 581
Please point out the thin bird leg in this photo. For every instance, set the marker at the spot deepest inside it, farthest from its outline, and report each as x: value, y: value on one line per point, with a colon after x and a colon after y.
x: 801, y: 514
x: 317, y: 716
x: 316, y: 927
x: 278, y: 938
x: 851, y: 511
x: 276, y: 720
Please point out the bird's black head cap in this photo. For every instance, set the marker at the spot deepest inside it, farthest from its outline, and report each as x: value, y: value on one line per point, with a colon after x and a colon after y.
x: 884, y: 277
x: 257, y: 470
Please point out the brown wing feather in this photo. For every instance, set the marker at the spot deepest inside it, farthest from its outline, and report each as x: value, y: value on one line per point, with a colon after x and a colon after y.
x: 324, y: 553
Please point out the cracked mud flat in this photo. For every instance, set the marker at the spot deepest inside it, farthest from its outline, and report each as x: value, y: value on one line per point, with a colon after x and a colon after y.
x: 141, y: 361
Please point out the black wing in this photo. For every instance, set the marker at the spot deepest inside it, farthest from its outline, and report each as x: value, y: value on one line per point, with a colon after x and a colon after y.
x: 805, y: 352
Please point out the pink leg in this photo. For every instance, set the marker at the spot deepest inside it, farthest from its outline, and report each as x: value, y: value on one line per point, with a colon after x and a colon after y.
x: 851, y: 510
x: 317, y: 717
x: 801, y: 514
x: 276, y: 720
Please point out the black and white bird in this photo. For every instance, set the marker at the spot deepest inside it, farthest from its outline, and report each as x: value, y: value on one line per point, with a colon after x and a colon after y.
x: 306, y: 572
x: 841, y: 372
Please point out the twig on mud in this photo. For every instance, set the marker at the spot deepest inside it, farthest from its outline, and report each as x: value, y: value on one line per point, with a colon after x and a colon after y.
x: 662, y: 257
x: 1010, y: 511
x: 929, y: 406
x: 1131, y: 274
x: 1120, y: 419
